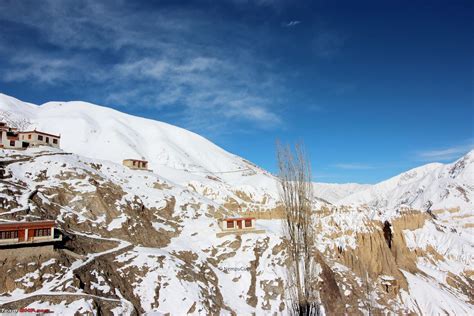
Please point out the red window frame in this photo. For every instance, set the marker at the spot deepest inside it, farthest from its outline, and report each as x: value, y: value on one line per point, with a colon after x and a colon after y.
x: 248, y: 223
x: 230, y: 224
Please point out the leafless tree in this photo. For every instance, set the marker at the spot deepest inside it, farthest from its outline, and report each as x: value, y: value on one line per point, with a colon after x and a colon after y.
x: 296, y: 194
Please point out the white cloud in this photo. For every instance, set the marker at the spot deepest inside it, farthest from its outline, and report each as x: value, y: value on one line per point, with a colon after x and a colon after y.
x: 158, y: 59
x: 292, y: 23
x: 446, y: 154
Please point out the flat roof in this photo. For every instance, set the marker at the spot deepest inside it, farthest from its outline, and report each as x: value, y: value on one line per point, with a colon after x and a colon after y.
x: 136, y: 160
x: 236, y: 218
x: 33, y: 224
x: 42, y: 133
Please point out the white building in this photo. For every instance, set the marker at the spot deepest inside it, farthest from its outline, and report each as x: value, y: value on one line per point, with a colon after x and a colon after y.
x: 36, y: 138
x: 9, y: 138
x: 238, y: 225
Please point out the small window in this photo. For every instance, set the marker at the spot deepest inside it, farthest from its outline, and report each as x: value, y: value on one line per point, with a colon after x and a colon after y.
x: 42, y: 232
x: 9, y: 234
x: 47, y: 140
x: 248, y: 223
x: 55, y: 141
x: 12, y: 143
x: 230, y: 224
x: 29, y: 136
x: 40, y: 137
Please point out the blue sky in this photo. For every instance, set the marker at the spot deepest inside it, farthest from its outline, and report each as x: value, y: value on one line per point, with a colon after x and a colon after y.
x: 372, y: 88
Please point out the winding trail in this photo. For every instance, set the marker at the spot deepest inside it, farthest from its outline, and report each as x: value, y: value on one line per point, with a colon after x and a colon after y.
x: 49, y: 288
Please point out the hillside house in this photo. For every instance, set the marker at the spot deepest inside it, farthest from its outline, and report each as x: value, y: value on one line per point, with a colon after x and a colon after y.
x: 9, y: 138
x: 24, y: 233
x: 36, y: 138
x: 136, y: 164
x: 238, y: 225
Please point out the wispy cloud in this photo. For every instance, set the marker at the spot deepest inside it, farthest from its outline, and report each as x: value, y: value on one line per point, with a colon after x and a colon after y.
x: 145, y: 58
x: 292, y: 23
x: 354, y: 166
x: 446, y: 154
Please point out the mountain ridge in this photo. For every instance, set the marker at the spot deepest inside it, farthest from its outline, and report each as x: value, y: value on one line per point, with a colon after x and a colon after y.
x: 104, y: 133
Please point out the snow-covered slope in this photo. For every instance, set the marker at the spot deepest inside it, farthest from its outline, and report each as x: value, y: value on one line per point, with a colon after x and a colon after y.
x: 103, y: 133
x: 138, y: 238
x: 100, y: 132
x: 185, y: 157
x: 429, y: 187
x: 333, y: 192
x: 137, y: 243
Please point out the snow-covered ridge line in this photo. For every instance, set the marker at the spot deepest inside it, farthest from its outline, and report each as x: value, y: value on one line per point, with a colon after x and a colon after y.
x: 429, y: 187
x: 186, y: 158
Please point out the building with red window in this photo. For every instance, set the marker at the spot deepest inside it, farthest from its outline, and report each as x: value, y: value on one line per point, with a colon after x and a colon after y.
x: 136, y: 164
x: 36, y: 138
x: 238, y: 225
x: 23, y: 233
x: 11, y: 138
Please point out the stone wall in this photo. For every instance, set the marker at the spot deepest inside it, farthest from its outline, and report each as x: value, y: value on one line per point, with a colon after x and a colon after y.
x: 25, y: 252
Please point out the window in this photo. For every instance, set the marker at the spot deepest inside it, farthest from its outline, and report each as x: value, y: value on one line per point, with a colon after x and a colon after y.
x: 40, y: 137
x: 55, y: 141
x: 12, y: 143
x: 248, y: 223
x: 47, y: 140
x: 230, y: 224
x: 42, y: 232
x: 29, y: 136
x: 9, y: 235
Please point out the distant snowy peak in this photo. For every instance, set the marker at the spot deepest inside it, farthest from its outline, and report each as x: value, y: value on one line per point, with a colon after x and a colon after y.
x: 333, y: 192
x: 460, y: 166
x: 432, y: 186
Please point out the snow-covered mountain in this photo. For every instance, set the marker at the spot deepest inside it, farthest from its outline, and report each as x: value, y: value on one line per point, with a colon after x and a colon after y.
x: 430, y: 187
x: 333, y: 192
x: 175, y: 153
x: 100, y: 132
x: 140, y: 242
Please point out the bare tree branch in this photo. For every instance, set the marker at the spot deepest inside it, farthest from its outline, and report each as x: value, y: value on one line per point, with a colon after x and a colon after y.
x: 296, y: 194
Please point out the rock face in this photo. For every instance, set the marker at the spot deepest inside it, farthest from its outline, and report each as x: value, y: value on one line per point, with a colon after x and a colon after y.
x: 133, y: 240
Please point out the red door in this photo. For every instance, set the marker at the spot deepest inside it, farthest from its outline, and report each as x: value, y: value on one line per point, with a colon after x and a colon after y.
x: 21, y: 235
x: 31, y: 234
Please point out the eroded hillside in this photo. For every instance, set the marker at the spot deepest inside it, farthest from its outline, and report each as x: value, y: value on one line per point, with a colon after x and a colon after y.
x: 135, y: 242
